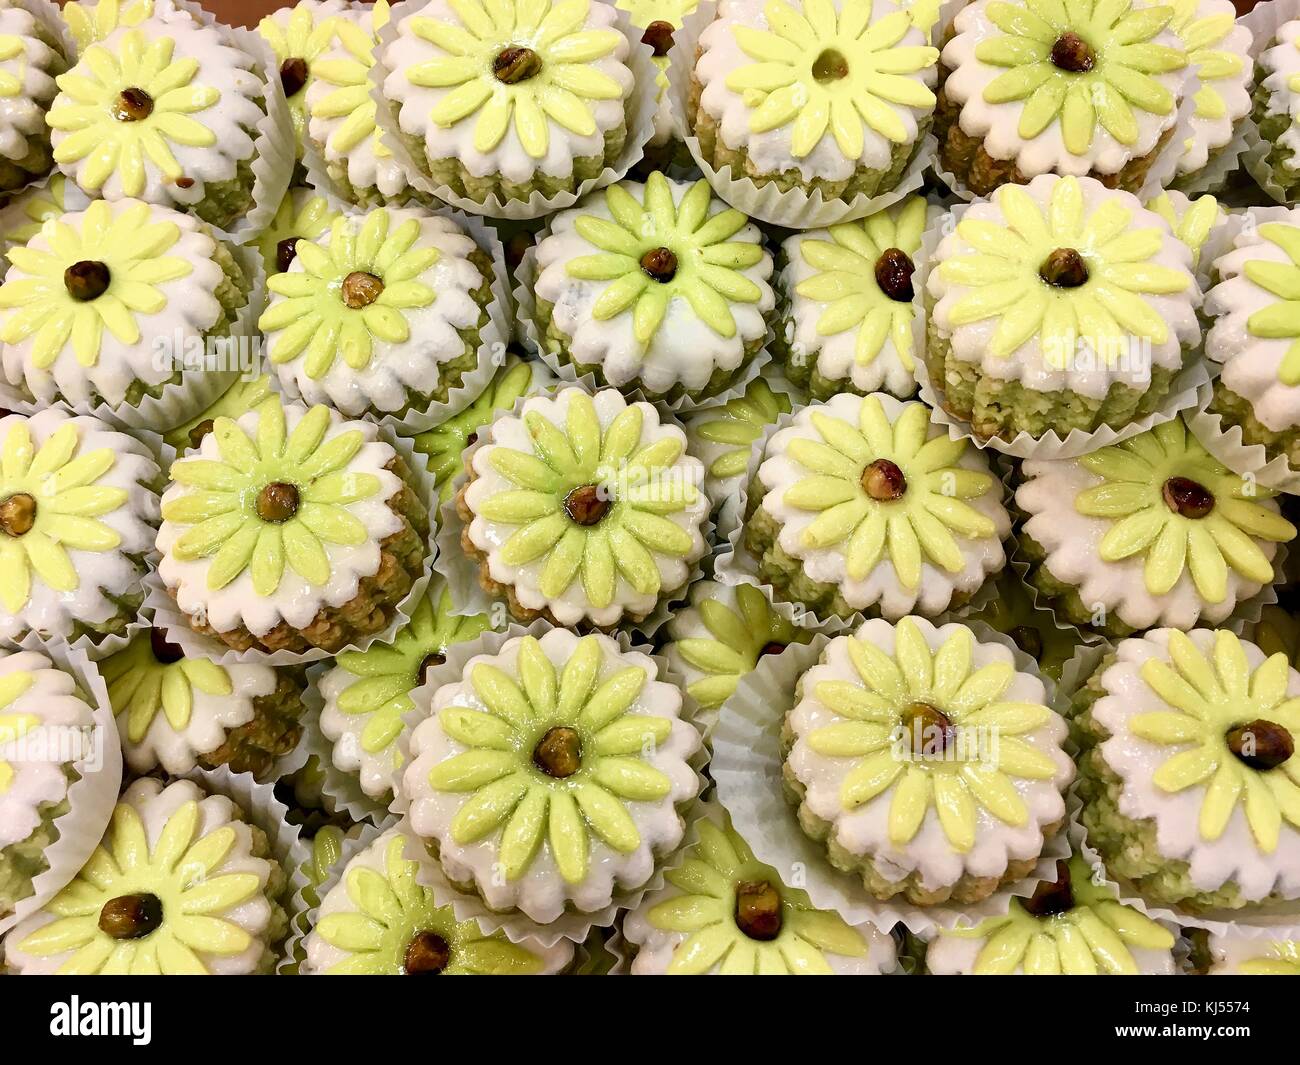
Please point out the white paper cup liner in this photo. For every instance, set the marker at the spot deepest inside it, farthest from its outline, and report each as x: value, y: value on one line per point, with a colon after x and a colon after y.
x: 747, y: 766
x: 260, y: 808
x: 1159, y: 176
x: 1263, y: 21
x: 90, y: 798
x: 47, y: 14
x: 461, y: 572
x: 1182, y: 392
x: 640, y: 106
x: 573, y: 924
x: 624, y: 949
x: 1225, y: 443
x: 794, y: 209
x: 176, y: 625
x: 734, y: 563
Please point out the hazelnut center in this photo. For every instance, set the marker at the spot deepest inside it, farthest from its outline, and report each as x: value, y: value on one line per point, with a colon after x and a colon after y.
x: 515, y: 64
x: 163, y: 649
x: 293, y: 75
x: 830, y: 65
x: 277, y: 502
x: 894, y: 270
x: 361, y: 289
x: 285, y: 253
x: 1051, y: 897
x: 930, y: 731
x: 882, y: 480
x: 587, y: 504
x: 1260, y: 744
x: 86, y: 280
x: 200, y: 431
x: 132, y: 105
x: 1028, y: 639
x: 1186, y: 497
x: 18, y: 514
x: 659, y: 264
x: 1064, y: 268
x: 430, y: 661
x: 772, y: 648
x: 426, y: 955
x: 558, y: 754
x: 758, y: 910
x: 659, y: 36
x: 131, y: 916
x: 1072, y: 53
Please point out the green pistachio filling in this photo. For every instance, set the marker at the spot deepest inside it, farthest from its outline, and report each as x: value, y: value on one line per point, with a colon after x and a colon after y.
x: 743, y: 919
x: 655, y: 250
x: 885, y: 490
x: 824, y: 70
x: 554, y: 755
x: 1170, y: 501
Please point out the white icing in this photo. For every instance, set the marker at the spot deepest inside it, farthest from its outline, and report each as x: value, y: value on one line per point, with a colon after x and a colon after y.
x: 1087, y: 374
x: 221, y: 66
x: 1251, y: 363
x: 21, y: 217
x: 509, y: 158
x: 929, y: 855
x: 881, y: 587
x: 1231, y: 950
x: 722, y: 490
x: 395, y: 370
x: 574, y: 606
x: 835, y: 354
x: 1231, y: 92
x: 22, y: 116
x: 41, y: 756
x: 117, y: 571
x: 998, y: 124
x: 368, y: 163
x: 189, y: 312
x: 771, y: 152
x: 212, y: 717
x: 1281, y: 63
x: 1211, y: 863
x: 323, y: 955
x: 1072, y: 542
x: 687, y: 624
x: 295, y: 601
x: 541, y: 892
x: 155, y: 806
x: 684, y: 349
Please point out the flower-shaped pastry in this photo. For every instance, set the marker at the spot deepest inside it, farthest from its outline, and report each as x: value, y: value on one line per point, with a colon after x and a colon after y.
x: 78, y: 510
x: 663, y: 284
x: 180, y: 885
x: 1068, y: 927
x: 585, y: 507
x: 824, y: 71
x: 22, y: 217
x: 1191, y: 220
x: 367, y: 693
x: 1250, y: 956
x: 1161, y: 500
x: 384, y: 309
x: 721, y: 636
x: 552, y: 771
x: 852, y: 302
x: 928, y: 758
x: 1280, y: 319
x: 1056, y: 273
x: 728, y: 913
x: 516, y: 65
x: 299, y: 36
x: 377, y: 921
x: 1219, y: 50
x: 447, y: 443
x: 874, y: 501
x: 89, y: 23
x: 302, y: 215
